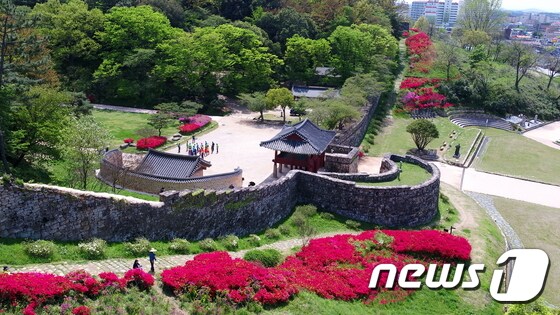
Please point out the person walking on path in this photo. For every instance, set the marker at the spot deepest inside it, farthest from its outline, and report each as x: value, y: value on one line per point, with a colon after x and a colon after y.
x: 217, y: 149
x: 152, y: 257
x: 212, y: 148
x: 178, y: 148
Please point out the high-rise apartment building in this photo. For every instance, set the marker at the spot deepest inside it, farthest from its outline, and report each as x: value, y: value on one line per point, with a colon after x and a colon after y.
x: 442, y: 12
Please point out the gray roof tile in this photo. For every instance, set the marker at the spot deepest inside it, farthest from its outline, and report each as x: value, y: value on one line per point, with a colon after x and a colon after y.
x: 314, y: 140
x: 169, y: 165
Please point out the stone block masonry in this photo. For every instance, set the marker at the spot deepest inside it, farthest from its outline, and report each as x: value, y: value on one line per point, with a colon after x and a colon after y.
x: 48, y: 212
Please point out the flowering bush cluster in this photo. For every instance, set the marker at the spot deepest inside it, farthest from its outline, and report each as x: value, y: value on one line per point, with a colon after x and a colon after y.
x: 345, y: 262
x: 414, y: 83
x: 241, y: 280
x: 93, y: 249
x: 151, y: 142
x: 139, y: 278
x: 436, y: 244
x: 194, y: 123
x: 422, y: 98
x: 421, y: 52
x: 81, y: 310
x: 128, y: 140
x: 35, y: 289
x: 337, y: 267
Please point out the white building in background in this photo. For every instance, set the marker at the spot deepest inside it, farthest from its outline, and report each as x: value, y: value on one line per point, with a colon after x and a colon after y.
x: 442, y: 12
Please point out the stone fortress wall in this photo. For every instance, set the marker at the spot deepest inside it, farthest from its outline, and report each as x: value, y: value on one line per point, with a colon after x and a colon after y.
x: 47, y: 212
x: 116, y: 170
x: 355, y: 133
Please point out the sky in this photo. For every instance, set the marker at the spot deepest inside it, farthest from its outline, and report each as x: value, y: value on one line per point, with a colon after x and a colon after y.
x: 544, y: 5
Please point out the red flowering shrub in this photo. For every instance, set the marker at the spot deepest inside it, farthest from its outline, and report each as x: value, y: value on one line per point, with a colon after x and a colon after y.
x: 414, y: 83
x: 33, y: 288
x: 187, y: 128
x: 109, y: 279
x: 339, y: 267
x: 128, y: 140
x: 194, y: 123
x: 139, y: 278
x: 405, y: 34
x: 418, y: 44
x: 84, y: 282
x: 81, y: 310
x: 435, y: 243
x: 150, y: 143
x: 241, y: 280
x: 424, y: 98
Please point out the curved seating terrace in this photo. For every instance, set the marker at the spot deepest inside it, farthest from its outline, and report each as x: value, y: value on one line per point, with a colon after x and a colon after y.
x: 468, y: 119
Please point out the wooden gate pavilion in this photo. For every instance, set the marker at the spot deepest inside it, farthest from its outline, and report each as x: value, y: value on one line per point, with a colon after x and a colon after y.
x: 300, y: 146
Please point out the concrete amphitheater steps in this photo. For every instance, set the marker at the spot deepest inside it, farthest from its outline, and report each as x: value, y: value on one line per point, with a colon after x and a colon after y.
x: 480, y: 120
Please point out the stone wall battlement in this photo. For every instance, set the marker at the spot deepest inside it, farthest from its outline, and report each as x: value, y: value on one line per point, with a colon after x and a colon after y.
x: 48, y: 212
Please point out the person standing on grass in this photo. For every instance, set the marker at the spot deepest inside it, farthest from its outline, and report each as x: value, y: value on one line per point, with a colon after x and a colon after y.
x: 152, y: 257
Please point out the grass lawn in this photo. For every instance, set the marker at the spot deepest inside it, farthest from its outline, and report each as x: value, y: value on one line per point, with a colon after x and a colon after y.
x: 393, y: 137
x: 537, y: 226
x: 512, y: 154
x: 121, y: 125
x: 465, y: 138
x: 411, y: 175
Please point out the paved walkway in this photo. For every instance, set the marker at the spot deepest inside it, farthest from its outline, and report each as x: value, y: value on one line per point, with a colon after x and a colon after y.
x: 124, y: 109
x: 122, y: 265
x: 239, y: 138
x: 512, y: 188
x: 546, y: 134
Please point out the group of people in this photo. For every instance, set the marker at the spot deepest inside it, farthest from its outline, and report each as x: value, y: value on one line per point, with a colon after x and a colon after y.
x: 200, y: 148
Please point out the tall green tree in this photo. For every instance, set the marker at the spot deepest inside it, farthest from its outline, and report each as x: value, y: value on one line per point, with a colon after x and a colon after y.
x: 37, y: 123
x: 449, y: 55
x: 303, y: 56
x: 83, y: 147
x: 552, y: 65
x: 522, y: 58
x: 280, y: 97
x: 24, y: 59
x: 359, y: 48
x: 256, y: 102
x: 71, y: 28
x: 211, y: 60
x: 129, y: 39
x: 287, y: 23
x: 481, y: 15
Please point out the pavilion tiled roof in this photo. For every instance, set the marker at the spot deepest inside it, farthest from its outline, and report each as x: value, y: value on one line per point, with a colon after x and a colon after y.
x: 169, y: 165
x: 309, y: 139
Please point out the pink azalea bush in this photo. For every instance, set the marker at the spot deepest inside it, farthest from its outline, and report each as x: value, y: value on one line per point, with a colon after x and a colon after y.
x: 241, y: 280
x: 151, y: 142
x: 139, y: 278
x: 128, y: 140
x: 35, y: 289
x: 81, y: 310
x: 194, y: 123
